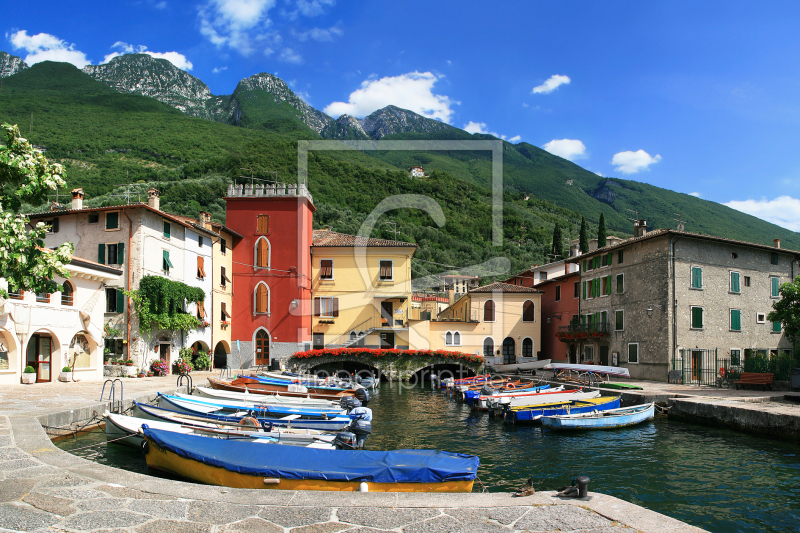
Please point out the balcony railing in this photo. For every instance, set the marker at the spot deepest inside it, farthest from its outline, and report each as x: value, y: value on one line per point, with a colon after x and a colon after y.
x: 576, y: 332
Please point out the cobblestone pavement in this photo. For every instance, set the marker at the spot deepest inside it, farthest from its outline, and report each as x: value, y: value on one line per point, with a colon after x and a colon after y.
x: 43, y: 488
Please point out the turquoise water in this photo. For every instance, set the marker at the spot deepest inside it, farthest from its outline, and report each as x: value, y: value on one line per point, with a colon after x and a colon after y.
x: 719, y: 480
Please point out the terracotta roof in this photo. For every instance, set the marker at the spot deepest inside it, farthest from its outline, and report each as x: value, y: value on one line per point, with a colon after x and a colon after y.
x: 499, y: 286
x: 324, y: 237
x: 176, y: 218
x: 429, y: 299
x: 662, y: 232
x: 556, y: 279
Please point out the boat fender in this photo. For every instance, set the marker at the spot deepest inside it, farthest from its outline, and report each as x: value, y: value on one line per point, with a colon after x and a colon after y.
x: 145, y: 447
x: 510, y: 386
x: 722, y: 372
x: 266, y: 426
x: 363, y: 487
x: 249, y: 421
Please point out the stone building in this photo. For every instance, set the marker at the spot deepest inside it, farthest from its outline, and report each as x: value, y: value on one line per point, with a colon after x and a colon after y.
x: 140, y: 240
x: 673, y: 299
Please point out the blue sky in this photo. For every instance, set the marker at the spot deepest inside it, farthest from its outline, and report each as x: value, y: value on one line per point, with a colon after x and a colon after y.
x: 700, y: 98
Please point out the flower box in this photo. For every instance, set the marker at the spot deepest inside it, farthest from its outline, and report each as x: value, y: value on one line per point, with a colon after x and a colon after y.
x: 29, y: 379
x: 65, y: 377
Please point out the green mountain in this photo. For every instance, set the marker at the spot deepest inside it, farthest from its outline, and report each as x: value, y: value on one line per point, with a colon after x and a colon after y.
x: 107, y: 138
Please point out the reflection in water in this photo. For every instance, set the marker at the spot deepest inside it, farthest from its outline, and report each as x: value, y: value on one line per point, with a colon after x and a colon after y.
x: 719, y: 480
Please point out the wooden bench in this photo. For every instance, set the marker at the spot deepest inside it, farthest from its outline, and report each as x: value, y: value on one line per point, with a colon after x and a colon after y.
x: 755, y: 378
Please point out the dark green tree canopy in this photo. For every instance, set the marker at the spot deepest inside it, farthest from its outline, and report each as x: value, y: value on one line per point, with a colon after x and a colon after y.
x: 583, y: 237
x: 558, y: 243
x: 601, y: 231
x: 787, y: 309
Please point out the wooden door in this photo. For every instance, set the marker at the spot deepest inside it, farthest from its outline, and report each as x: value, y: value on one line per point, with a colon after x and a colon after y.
x: 44, y: 359
x: 509, y: 351
x: 262, y: 348
x: 696, y: 363
x: 387, y: 340
x: 573, y: 354
x: 604, y: 355
x: 387, y: 313
x: 163, y: 352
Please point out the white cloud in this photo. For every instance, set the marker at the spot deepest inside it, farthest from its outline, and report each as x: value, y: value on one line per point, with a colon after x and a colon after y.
x: 515, y: 138
x: 412, y: 91
x: 217, y: 70
x: 46, y: 47
x: 695, y: 194
x: 309, y: 8
x: 783, y: 210
x: 177, y: 59
x: 238, y: 24
x: 552, y: 83
x: 633, y: 162
x: 290, y: 56
x: 320, y: 34
x: 480, y: 127
x: 571, y: 149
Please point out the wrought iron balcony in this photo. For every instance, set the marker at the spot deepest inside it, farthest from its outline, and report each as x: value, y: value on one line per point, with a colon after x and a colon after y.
x: 577, y: 332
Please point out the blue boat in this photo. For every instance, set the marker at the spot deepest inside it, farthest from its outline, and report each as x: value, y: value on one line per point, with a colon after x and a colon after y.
x: 222, y: 406
x: 534, y: 413
x: 273, y: 381
x: 336, y: 423
x: 609, y: 419
x: 473, y: 395
x: 243, y: 464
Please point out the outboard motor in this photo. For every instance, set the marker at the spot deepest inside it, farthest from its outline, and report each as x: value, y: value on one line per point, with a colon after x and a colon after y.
x: 361, y: 424
x: 363, y: 395
x: 345, y: 440
x: 486, y: 390
x: 358, y: 379
x: 349, y: 403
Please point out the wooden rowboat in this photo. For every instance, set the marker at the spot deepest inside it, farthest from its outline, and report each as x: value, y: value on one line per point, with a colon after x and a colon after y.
x: 255, y: 389
x: 610, y: 419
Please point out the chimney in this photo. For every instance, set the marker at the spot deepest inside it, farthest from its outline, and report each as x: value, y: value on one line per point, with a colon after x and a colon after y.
x: 77, y: 198
x: 205, y: 218
x: 639, y: 228
x: 777, y: 243
x: 152, y: 198
x: 55, y: 206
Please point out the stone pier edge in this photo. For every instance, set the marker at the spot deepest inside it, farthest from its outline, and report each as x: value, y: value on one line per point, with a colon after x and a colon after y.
x: 29, y: 435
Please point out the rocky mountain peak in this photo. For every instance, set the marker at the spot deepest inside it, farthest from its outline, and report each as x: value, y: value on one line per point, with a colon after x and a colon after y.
x: 157, y: 78
x: 10, y: 65
x: 392, y: 119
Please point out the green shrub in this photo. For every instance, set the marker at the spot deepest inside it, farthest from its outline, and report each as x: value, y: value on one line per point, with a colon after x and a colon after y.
x: 203, y: 362
x: 29, y: 370
x: 66, y: 369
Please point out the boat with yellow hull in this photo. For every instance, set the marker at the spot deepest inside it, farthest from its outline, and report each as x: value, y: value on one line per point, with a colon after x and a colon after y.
x: 256, y: 465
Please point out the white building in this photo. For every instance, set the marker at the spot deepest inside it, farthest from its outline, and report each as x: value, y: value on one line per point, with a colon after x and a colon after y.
x: 417, y: 172
x: 51, y: 331
x: 140, y: 240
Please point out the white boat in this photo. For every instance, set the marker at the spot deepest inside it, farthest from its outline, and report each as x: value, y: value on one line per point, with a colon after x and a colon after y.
x: 519, y: 367
x: 120, y: 426
x: 545, y: 399
x: 488, y: 401
x: 262, y: 399
x: 596, y: 369
x: 613, y: 418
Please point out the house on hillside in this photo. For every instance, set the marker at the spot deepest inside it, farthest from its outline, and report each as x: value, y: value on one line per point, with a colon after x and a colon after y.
x: 670, y: 299
x: 51, y: 331
x: 500, y: 321
x: 361, y: 290
x: 140, y: 240
x: 417, y: 172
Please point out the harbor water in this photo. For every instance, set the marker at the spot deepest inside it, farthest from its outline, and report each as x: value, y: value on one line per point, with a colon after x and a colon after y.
x: 716, y: 479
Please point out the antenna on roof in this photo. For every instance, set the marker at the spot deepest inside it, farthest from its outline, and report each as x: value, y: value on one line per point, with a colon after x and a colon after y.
x: 635, y: 213
x: 394, y: 231
x: 680, y: 222
x: 253, y: 179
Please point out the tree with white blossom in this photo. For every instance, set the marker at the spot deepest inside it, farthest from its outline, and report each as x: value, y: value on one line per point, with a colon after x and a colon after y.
x: 27, y: 176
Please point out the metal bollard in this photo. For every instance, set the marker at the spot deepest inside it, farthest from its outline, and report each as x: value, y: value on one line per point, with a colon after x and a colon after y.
x: 583, y: 486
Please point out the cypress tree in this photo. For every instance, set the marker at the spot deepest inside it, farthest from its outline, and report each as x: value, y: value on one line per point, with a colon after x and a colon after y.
x: 601, y: 232
x: 558, y: 243
x: 584, y: 239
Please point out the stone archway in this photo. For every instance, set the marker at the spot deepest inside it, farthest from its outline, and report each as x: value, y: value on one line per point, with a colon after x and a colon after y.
x: 392, y: 370
x: 221, y: 354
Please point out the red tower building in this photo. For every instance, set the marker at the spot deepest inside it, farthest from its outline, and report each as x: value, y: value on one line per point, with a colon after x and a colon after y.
x: 271, y: 315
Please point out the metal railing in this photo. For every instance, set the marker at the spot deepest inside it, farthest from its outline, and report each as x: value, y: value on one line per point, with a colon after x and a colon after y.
x: 584, y: 331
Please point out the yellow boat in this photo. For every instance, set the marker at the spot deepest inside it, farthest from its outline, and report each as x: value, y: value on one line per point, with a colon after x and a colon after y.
x: 532, y: 413
x: 257, y: 465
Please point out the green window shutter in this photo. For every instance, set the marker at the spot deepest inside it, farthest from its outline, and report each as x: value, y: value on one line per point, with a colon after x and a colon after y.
x: 620, y: 320
x: 697, y: 317
x: 166, y: 230
x: 112, y: 220
x: 120, y: 301
x: 620, y: 283
x: 608, y: 259
x: 734, y: 282
x: 608, y: 284
x: 584, y: 290
x: 101, y: 253
x: 736, y: 320
x: 633, y: 353
x: 697, y: 278
x: 775, y: 287
x: 120, y: 253
x: 776, y: 327
x: 167, y: 263
x: 597, y: 287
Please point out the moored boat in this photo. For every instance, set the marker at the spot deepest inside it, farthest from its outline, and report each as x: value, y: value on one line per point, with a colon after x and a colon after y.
x: 609, y: 419
x: 543, y: 398
x: 239, y: 386
x: 524, y: 366
x: 534, y: 413
x: 242, y: 464
x: 277, y: 399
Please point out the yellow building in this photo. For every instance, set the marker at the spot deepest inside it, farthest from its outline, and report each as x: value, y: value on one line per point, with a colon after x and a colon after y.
x: 500, y: 321
x: 362, y: 291
x: 222, y: 290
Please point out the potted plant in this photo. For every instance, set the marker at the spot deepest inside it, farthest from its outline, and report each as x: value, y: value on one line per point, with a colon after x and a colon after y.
x: 159, y: 367
x: 140, y: 372
x: 149, y: 374
x: 65, y: 375
x: 128, y: 363
x: 29, y: 375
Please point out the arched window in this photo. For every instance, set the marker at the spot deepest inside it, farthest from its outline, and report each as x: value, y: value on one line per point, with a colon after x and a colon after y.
x: 527, y: 347
x: 67, y: 294
x: 261, y: 303
x: 528, y: 311
x: 353, y: 335
x: 262, y: 252
x: 448, y: 339
x: 262, y: 347
x: 509, y: 351
x: 488, y: 311
x: 457, y: 338
x: 488, y: 347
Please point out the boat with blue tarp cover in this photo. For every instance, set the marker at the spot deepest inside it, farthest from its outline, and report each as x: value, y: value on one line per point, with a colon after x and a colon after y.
x: 334, y: 423
x: 221, y: 405
x: 534, y: 412
x: 244, y: 464
x: 609, y: 419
